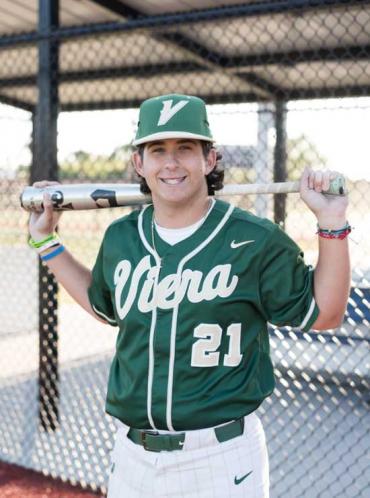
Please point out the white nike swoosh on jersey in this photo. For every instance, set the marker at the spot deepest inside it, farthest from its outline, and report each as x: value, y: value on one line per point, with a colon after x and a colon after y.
x: 235, y: 245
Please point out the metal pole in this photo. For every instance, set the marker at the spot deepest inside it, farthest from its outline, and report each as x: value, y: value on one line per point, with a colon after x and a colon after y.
x: 280, y: 155
x: 263, y: 161
x: 44, y: 166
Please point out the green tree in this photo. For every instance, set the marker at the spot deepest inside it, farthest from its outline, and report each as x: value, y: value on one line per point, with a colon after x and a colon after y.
x: 301, y: 152
x: 82, y: 165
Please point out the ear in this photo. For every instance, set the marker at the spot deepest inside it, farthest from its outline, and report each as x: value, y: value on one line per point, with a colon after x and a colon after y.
x: 137, y: 162
x: 211, y: 161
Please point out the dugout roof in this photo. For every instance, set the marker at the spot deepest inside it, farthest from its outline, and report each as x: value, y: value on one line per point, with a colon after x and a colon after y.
x: 115, y: 53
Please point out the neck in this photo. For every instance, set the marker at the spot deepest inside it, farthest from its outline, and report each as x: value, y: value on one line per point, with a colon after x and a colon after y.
x: 178, y: 216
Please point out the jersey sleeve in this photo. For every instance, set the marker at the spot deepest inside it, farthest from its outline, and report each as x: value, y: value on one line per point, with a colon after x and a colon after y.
x: 286, y: 284
x: 99, y: 293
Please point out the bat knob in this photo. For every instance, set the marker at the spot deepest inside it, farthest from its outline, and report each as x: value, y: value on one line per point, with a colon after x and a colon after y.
x: 337, y: 186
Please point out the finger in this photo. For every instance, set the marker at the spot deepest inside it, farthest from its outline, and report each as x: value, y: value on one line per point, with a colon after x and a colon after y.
x: 44, y: 183
x: 48, y: 207
x: 311, y: 178
x: 318, y: 178
x: 326, y: 180
x: 304, y: 184
x: 34, y: 217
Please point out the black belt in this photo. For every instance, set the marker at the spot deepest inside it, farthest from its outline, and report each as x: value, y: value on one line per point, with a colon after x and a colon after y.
x: 152, y: 441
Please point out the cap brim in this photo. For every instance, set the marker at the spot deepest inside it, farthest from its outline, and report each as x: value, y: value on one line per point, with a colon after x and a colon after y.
x: 171, y: 134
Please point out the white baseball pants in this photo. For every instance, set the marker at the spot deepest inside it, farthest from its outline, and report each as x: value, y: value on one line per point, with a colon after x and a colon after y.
x: 204, y: 468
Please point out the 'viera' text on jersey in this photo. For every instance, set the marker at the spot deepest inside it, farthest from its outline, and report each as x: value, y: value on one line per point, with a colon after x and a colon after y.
x: 171, y: 290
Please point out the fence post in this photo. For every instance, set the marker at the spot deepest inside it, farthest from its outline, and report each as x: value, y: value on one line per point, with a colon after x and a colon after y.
x: 44, y: 166
x: 263, y: 158
x: 280, y: 155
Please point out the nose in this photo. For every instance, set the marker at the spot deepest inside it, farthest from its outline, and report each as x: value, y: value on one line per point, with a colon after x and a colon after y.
x: 171, y: 161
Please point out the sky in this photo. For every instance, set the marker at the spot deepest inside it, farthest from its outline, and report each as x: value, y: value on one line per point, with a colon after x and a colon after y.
x: 339, y: 128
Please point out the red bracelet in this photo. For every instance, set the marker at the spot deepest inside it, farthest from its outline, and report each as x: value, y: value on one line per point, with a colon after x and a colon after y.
x: 335, y: 234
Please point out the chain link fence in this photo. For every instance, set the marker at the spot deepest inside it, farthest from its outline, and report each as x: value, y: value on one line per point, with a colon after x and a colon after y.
x: 287, y: 86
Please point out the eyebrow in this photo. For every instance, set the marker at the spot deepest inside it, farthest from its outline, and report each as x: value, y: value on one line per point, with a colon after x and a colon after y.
x: 153, y: 144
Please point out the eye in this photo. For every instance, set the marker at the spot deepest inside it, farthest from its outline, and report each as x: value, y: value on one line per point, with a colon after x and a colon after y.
x: 157, y: 150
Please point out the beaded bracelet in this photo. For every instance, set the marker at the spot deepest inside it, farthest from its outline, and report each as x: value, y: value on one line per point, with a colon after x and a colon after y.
x: 52, y: 254
x: 340, y: 234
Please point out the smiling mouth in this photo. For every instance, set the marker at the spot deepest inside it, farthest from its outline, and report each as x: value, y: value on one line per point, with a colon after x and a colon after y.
x: 173, y: 181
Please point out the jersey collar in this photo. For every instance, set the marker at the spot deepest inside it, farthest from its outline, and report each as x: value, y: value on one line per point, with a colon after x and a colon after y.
x: 214, y: 219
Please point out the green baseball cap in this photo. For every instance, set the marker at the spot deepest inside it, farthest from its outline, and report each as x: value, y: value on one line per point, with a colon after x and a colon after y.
x: 172, y: 116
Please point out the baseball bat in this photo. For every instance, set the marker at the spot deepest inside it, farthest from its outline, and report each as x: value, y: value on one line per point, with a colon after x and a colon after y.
x: 106, y: 195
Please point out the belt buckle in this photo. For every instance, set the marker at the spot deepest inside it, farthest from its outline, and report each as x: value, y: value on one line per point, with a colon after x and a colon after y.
x: 143, y: 439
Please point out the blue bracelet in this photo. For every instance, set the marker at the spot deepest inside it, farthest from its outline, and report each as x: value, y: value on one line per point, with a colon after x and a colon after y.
x: 52, y: 255
x: 346, y: 227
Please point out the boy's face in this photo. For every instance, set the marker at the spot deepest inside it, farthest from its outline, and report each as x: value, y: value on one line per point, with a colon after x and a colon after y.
x: 175, y: 169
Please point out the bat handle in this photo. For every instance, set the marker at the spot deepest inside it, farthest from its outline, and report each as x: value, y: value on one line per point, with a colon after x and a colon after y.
x: 337, y: 187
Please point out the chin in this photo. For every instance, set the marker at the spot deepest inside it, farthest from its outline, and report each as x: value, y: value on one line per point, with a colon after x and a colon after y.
x: 173, y: 197
x: 173, y: 193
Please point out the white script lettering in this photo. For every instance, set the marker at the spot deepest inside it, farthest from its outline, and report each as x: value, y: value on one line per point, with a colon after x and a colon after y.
x: 172, y: 289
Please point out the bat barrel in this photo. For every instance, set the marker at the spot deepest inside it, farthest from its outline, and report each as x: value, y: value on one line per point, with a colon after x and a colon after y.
x: 83, y: 196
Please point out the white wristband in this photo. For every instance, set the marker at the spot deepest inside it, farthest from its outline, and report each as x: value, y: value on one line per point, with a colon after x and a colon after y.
x: 56, y: 240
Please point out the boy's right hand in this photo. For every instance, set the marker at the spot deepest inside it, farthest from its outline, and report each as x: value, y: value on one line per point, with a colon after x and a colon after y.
x: 43, y: 224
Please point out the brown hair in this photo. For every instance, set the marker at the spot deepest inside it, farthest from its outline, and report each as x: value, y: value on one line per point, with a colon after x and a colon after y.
x: 215, y: 179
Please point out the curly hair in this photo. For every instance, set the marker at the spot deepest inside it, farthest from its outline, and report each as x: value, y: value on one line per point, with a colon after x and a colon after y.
x: 215, y: 179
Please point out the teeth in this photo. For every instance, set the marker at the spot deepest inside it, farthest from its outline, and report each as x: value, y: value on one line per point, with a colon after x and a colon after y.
x: 172, y: 181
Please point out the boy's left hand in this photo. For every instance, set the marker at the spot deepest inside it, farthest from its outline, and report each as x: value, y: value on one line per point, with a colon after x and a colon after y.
x: 330, y: 210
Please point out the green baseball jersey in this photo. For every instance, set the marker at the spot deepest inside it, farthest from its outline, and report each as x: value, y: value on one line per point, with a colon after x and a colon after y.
x: 193, y: 349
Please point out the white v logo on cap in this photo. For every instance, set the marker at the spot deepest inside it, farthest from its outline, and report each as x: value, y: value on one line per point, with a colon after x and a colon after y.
x: 168, y: 111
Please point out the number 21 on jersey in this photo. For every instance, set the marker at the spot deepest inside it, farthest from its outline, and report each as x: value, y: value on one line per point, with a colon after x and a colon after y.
x: 204, y: 352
